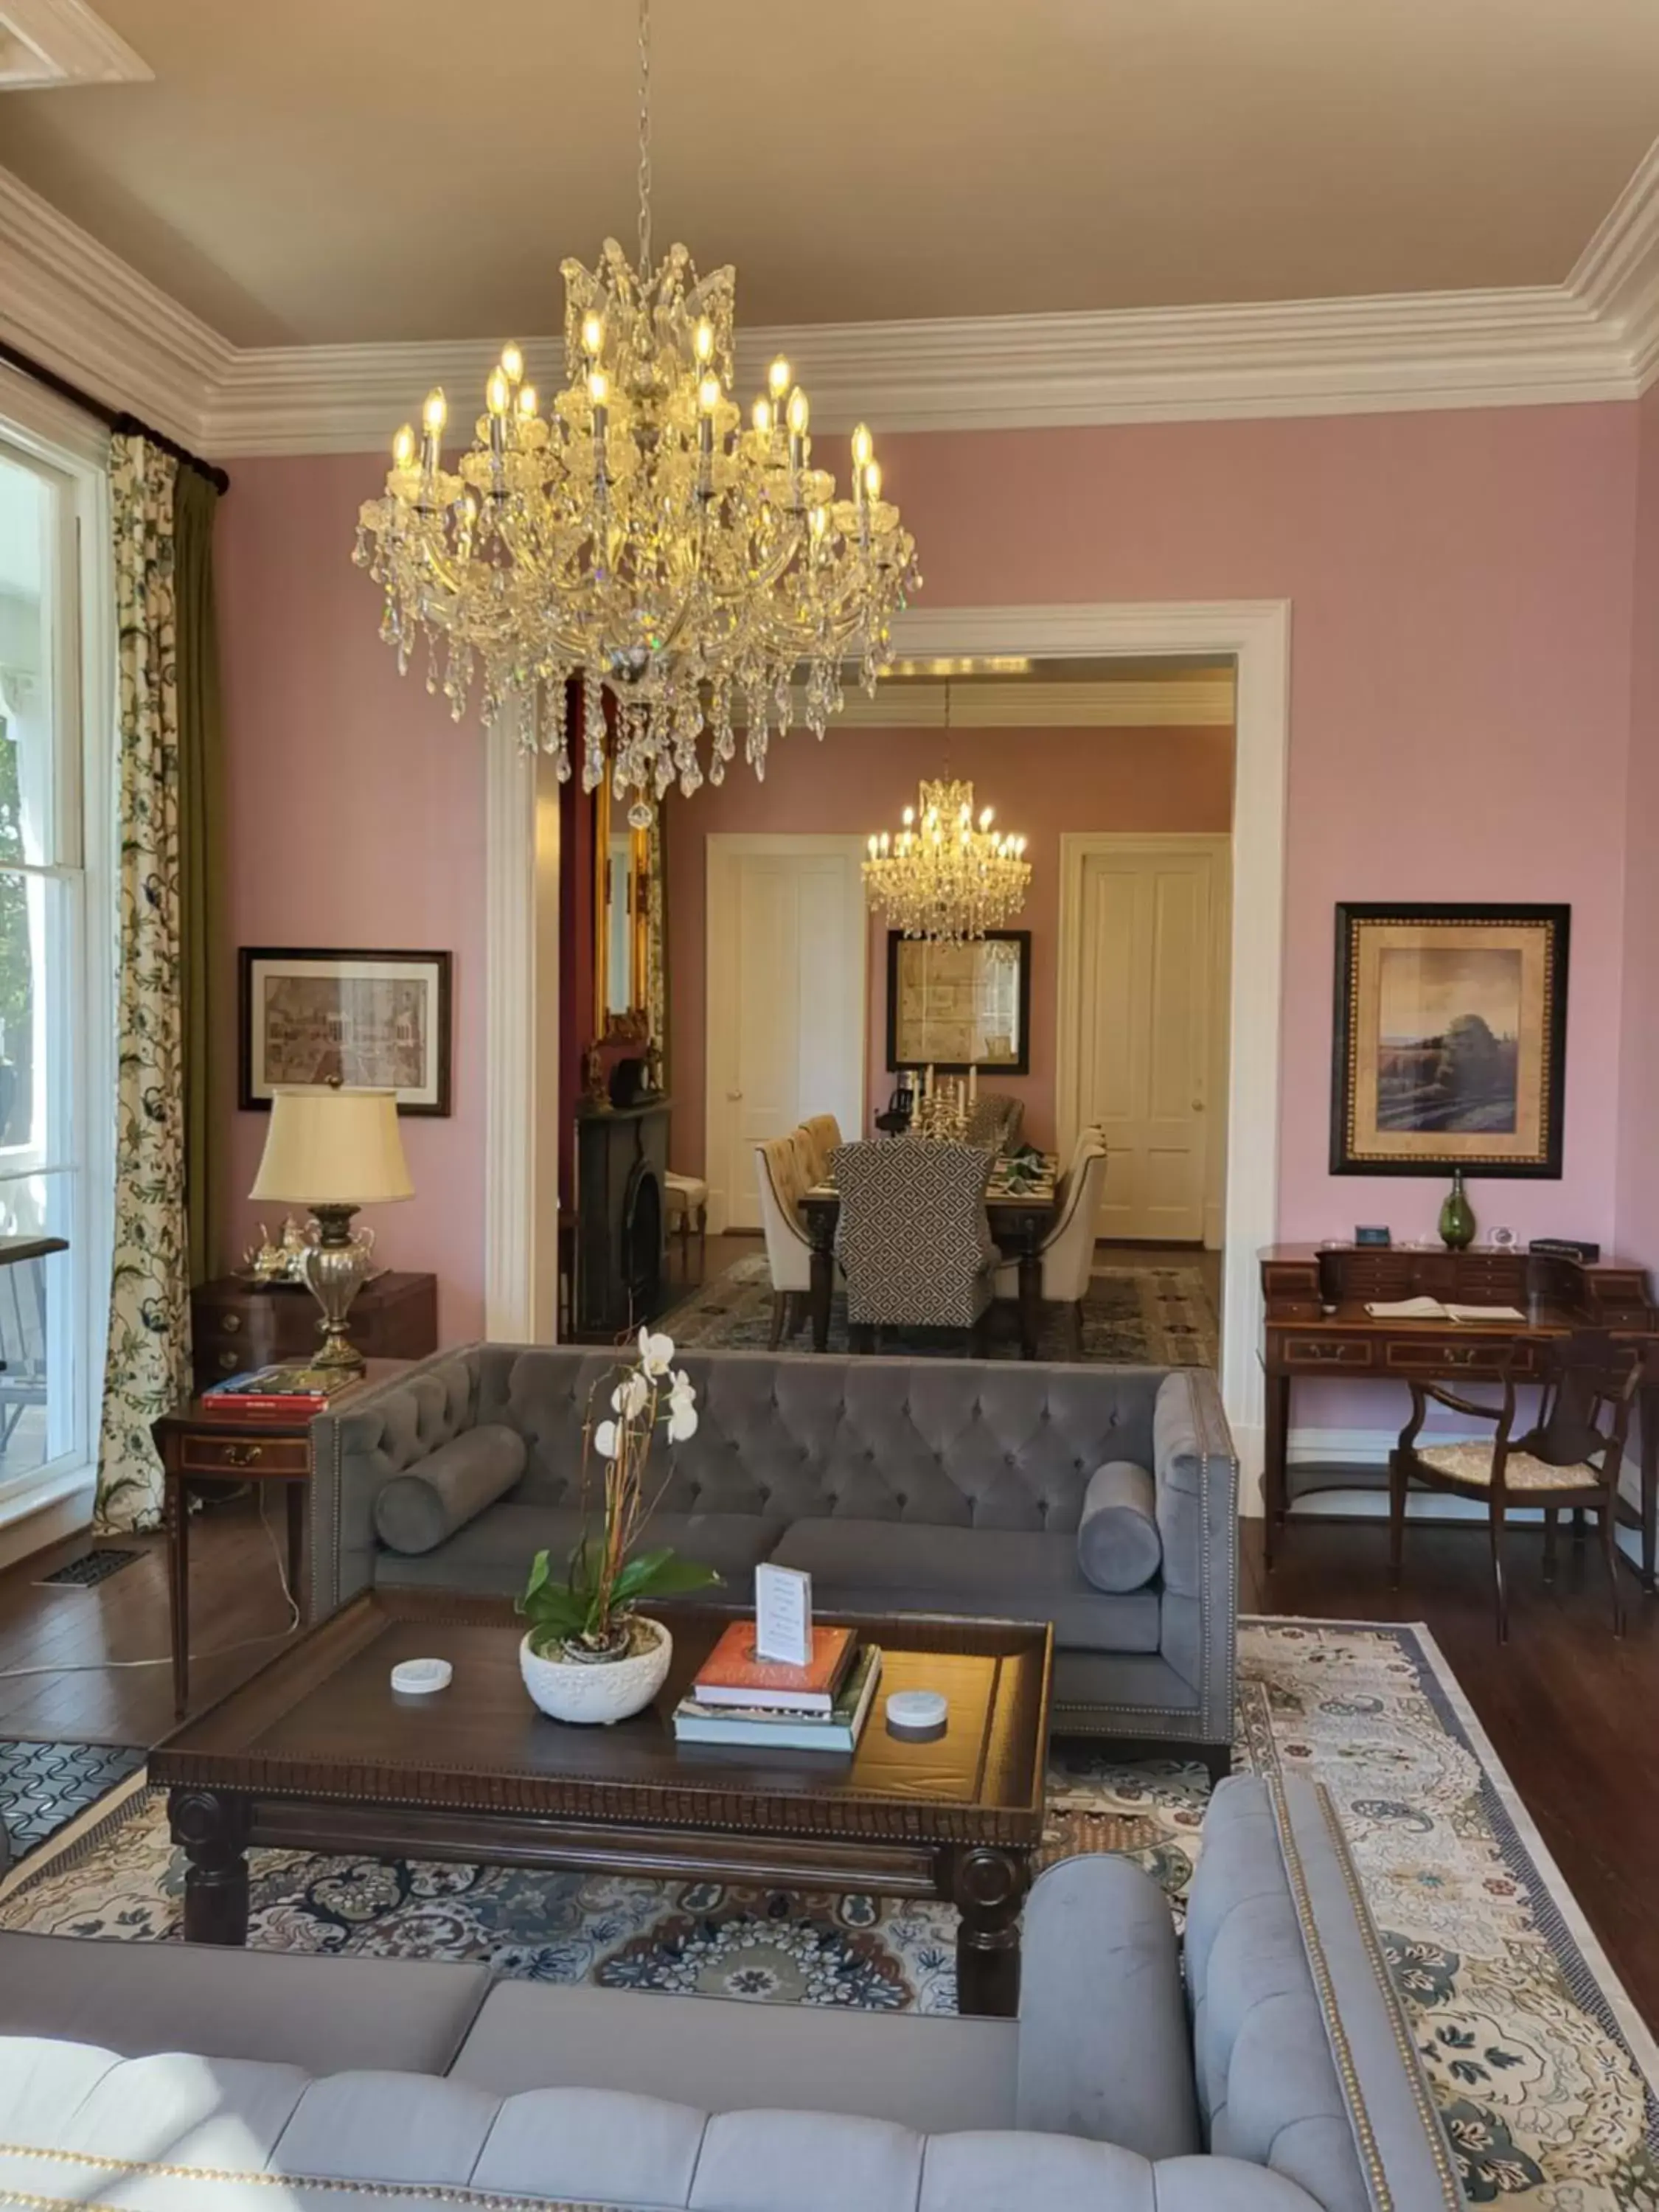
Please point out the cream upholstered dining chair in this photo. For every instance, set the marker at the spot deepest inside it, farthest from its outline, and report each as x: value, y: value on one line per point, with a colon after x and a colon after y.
x: 912, y: 1236
x: 788, y: 1247
x: 1068, y: 1250
x: 1572, y: 1457
x: 822, y: 1135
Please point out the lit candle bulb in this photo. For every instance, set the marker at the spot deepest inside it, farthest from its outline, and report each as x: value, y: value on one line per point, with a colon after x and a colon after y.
x: 778, y: 378
x: 526, y: 400
x: 403, y: 448
x: 702, y: 341
x: 497, y: 393
x: 432, y: 423
x: 708, y: 394
x: 872, y: 481
x: 864, y: 447
x: 800, y: 412
x: 909, y: 815
x: 512, y: 361
x: 762, y: 416
x: 817, y: 522
x: 592, y: 334
x: 598, y: 388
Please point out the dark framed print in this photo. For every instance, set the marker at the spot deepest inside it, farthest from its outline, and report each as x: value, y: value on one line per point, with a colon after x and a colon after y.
x: 1449, y: 1046
x: 378, y: 1021
x: 956, y: 1006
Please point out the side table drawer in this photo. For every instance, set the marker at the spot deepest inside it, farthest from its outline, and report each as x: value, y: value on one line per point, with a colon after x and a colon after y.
x: 1352, y: 1353
x: 1463, y: 1357
x: 254, y: 1455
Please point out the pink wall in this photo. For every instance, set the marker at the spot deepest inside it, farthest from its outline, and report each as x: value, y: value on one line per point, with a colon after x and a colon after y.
x: 1461, y: 695
x: 1040, y: 781
x: 1639, y: 1067
x: 357, y: 820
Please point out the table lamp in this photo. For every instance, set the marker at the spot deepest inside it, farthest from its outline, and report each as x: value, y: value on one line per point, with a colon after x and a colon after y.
x: 333, y: 1151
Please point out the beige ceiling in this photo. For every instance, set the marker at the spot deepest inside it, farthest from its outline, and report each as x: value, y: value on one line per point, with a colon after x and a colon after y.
x: 377, y: 169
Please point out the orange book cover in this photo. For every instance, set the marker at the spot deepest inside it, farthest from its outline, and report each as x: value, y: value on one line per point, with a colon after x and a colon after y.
x: 732, y: 1675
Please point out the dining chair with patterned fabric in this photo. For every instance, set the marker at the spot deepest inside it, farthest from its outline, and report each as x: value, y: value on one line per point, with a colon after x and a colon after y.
x: 788, y: 1247
x: 1571, y: 1458
x: 912, y: 1239
x: 994, y: 1120
x: 1068, y: 1248
x: 822, y: 1134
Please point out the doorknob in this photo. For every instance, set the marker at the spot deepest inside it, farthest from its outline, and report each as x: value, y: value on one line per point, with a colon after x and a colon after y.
x: 1198, y: 1105
x: 734, y: 1095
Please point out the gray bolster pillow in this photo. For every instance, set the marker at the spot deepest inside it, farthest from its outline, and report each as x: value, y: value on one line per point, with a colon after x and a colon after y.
x: 422, y: 1507
x: 1118, y: 1546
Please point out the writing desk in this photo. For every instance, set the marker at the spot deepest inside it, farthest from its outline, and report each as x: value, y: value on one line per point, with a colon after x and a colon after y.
x: 1315, y: 1297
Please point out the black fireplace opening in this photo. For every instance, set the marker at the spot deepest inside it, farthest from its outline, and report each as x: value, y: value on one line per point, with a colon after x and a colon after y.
x: 642, y: 1243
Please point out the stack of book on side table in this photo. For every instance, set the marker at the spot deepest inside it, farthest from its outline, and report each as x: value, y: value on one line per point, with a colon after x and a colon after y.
x: 275, y: 1394
x: 760, y: 1705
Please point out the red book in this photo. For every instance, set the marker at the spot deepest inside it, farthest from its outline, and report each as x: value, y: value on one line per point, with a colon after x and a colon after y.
x: 733, y: 1675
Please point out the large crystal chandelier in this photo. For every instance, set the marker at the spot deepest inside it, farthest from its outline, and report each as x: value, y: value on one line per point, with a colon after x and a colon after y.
x: 946, y: 876
x: 636, y: 537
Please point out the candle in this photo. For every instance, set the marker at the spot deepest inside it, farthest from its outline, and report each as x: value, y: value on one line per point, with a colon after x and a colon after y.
x: 973, y: 1084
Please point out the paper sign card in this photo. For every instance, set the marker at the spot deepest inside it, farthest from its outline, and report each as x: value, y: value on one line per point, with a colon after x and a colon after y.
x: 783, y: 1615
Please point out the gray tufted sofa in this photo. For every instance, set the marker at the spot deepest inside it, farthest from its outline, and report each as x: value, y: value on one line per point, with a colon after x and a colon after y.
x: 1282, y: 2078
x: 930, y: 1486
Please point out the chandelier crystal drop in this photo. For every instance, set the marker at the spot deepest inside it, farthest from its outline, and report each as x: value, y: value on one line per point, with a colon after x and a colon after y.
x: 946, y: 876
x: 639, y: 536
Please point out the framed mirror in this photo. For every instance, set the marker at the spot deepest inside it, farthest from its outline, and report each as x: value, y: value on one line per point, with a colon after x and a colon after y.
x: 956, y: 1006
x: 621, y: 923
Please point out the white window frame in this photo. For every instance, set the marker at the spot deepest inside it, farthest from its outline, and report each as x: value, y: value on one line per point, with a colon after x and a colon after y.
x: 55, y: 441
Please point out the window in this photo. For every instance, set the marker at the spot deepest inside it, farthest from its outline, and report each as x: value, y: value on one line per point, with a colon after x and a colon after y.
x: 56, y: 1075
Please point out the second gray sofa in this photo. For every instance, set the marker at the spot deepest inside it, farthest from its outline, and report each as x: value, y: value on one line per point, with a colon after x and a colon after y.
x: 902, y: 1485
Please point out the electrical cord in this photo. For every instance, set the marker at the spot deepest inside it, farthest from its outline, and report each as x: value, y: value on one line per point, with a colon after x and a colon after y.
x: 221, y: 1651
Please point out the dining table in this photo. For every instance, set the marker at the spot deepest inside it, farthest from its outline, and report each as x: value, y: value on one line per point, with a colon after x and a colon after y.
x: 1020, y: 1206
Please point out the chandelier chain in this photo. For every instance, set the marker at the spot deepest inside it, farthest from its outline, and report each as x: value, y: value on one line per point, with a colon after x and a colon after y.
x: 645, y: 137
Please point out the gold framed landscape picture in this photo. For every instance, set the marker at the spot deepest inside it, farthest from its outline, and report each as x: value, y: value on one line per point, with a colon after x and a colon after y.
x: 1450, y: 1047
x: 376, y: 1021
x: 951, y: 1007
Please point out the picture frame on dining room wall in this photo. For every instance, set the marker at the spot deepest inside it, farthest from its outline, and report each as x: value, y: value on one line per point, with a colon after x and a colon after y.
x: 309, y: 1015
x: 1449, y: 1045
x: 953, y: 1007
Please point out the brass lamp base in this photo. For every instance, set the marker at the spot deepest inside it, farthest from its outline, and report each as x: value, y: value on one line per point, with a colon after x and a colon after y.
x: 334, y: 1269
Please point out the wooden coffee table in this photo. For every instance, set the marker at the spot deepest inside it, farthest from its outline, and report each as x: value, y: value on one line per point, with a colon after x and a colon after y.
x: 318, y: 1753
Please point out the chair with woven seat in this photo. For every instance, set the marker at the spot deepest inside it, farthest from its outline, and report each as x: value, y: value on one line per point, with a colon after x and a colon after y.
x: 1570, y: 1460
x: 788, y: 1247
x: 912, y: 1236
x: 1068, y: 1250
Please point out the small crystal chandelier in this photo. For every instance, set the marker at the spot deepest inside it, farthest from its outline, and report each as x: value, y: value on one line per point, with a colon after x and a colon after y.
x: 636, y: 537
x: 945, y: 876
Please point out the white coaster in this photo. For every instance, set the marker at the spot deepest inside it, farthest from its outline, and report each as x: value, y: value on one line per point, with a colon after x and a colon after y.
x: 918, y: 1714
x: 421, y: 1677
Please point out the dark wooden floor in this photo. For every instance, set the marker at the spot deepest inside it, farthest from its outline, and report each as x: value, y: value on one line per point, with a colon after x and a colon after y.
x: 1570, y: 1712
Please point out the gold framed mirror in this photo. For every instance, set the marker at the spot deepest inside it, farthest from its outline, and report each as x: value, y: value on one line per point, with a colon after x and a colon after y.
x: 621, y: 923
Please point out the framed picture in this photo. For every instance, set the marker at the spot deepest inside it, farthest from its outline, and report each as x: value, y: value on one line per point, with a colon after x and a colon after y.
x: 956, y: 1006
x: 1450, y: 1047
x: 375, y: 1020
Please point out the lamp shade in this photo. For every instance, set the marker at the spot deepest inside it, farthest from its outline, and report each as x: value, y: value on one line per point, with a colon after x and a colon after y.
x: 333, y: 1148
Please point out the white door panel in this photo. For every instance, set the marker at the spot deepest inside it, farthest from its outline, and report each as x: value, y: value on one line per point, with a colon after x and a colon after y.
x: 1145, y: 977
x: 787, y: 944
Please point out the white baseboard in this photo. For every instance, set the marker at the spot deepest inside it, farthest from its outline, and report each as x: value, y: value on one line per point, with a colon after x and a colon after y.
x: 57, y: 1510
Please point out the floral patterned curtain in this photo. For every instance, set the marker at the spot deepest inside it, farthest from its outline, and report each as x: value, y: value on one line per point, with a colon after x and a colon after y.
x: 147, y: 1368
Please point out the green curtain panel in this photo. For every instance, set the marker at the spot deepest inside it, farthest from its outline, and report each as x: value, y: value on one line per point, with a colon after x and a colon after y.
x: 201, y: 841
x: 147, y: 1367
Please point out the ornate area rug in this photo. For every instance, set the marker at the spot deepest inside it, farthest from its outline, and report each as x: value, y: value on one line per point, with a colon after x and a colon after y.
x: 45, y: 1786
x: 1544, y: 2073
x: 1132, y: 1318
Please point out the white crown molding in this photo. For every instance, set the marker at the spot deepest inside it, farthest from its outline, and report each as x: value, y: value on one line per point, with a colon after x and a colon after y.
x: 80, y: 310
x: 45, y: 43
x: 1177, y: 704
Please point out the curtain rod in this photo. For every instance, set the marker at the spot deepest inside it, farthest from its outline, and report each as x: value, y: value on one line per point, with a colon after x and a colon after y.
x: 112, y: 418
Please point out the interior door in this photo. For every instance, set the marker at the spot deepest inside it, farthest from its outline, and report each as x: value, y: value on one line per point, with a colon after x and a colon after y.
x: 786, y: 939
x: 1147, y: 985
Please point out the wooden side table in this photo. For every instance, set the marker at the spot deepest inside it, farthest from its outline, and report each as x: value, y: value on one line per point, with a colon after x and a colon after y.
x: 196, y: 1445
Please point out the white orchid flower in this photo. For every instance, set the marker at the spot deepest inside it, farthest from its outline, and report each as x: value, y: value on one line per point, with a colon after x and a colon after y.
x: 629, y: 1398
x: 682, y: 1421
x: 682, y: 1391
x: 605, y: 1439
x: 656, y: 1354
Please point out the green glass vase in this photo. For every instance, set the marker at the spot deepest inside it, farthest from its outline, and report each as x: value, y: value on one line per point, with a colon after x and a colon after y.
x: 1457, y: 1216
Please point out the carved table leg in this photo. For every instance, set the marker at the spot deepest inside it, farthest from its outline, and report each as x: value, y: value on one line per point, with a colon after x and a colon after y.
x: 824, y: 1283
x: 212, y: 1830
x: 989, y: 1889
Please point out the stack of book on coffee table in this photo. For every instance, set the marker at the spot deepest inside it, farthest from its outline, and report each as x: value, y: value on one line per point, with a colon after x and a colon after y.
x: 740, y: 1700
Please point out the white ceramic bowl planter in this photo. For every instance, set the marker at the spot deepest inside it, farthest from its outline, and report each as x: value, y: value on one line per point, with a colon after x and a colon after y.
x: 599, y: 1691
